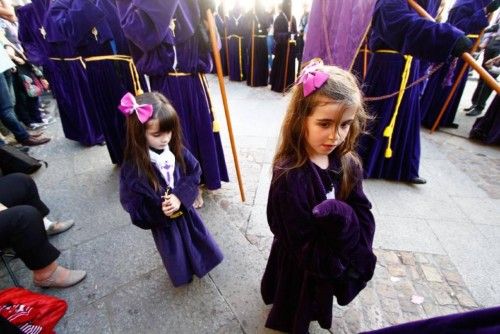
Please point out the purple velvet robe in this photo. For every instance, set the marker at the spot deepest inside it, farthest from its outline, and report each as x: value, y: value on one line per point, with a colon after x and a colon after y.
x: 345, y: 34
x: 81, y: 122
x: 283, y: 44
x: 468, y: 16
x: 237, y: 46
x: 156, y: 50
x: 313, y: 259
x: 220, y: 22
x: 397, y: 27
x: 482, y: 321
x: 89, y: 28
x: 487, y: 127
x: 78, y: 124
x: 185, y: 245
x: 260, y: 70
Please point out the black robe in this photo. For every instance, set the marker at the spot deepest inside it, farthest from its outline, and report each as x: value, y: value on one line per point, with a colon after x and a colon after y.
x: 314, y: 259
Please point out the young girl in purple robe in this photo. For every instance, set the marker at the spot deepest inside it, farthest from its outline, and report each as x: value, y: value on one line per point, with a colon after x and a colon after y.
x: 158, y: 185
x: 321, y: 220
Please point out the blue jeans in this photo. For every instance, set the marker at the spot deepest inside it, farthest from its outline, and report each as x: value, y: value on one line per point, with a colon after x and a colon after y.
x: 7, y: 115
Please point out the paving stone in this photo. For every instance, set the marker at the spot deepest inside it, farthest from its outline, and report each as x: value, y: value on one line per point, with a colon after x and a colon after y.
x: 396, y: 270
x: 464, y: 297
x: 443, y: 294
x: 431, y: 273
x: 407, y: 258
x: 453, y: 278
x: 89, y: 320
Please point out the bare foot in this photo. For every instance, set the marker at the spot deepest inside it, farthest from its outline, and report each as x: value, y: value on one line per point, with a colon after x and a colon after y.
x: 198, y: 202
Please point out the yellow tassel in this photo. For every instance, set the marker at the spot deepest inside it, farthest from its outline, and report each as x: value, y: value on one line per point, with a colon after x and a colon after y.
x: 388, y: 153
x: 388, y: 131
x: 215, y: 126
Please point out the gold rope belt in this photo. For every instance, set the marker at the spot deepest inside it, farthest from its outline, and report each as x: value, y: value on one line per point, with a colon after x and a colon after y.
x: 131, y: 65
x: 239, y: 53
x: 204, y: 83
x: 80, y: 59
x: 179, y: 74
x: 389, y: 130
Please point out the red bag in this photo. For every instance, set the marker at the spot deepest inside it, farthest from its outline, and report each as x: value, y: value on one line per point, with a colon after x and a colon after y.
x: 33, y: 310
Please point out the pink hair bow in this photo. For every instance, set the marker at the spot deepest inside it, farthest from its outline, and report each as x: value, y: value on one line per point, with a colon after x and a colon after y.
x: 128, y: 105
x: 312, y: 77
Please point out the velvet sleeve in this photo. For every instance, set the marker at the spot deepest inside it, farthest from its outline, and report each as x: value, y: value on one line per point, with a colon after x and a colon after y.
x: 465, y: 19
x: 138, y: 199
x: 146, y: 22
x: 318, y: 250
x: 405, y: 31
x: 186, y: 187
x: 76, y: 18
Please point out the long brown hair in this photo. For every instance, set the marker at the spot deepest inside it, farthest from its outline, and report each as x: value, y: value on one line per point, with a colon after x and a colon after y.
x: 343, y: 88
x: 136, y: 148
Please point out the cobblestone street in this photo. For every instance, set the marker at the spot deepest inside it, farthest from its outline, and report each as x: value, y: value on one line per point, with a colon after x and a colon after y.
x: 437, y: 244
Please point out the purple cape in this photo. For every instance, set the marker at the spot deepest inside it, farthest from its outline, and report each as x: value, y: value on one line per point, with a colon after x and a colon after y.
x: 314, y: 259
x: 332, y: 33
x: 485, y: 321
x: 185, y: 245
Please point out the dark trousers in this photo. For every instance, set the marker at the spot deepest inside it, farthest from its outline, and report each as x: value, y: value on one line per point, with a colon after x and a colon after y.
x: 483, y: 91
x: 21, y: 225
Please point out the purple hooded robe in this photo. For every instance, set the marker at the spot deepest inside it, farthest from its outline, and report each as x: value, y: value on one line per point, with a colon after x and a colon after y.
x: 175, y: 61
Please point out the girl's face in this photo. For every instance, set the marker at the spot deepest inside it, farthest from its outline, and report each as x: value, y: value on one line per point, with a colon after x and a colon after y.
x: 323, y: 134
x: 156, y: 139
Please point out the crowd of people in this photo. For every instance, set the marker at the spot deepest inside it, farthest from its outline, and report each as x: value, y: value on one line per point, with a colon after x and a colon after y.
x: 145, y: 96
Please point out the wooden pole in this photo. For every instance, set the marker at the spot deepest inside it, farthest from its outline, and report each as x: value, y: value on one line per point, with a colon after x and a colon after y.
x: 287, y: 58
x: 253, y: 47
x: 226, y: 42
x: 488, y: 79
x: 365, y: 58
x: 455, y: 85
x: 218, y: 65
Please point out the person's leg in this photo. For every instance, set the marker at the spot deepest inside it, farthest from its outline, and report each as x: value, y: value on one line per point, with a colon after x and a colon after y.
x: 21, y: 227
x: 7, y: 115
x: 20, y: 189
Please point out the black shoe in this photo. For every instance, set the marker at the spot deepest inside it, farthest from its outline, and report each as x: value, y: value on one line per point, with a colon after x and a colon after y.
x: 418, y: 180
x: 24, y: 149
x: 470, y: 108
x: 451, y: 126
x: 474, y: 112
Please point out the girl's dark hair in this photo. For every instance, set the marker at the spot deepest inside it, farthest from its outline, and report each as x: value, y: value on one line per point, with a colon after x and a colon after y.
x: 342, y: 87
x: 136, y: 147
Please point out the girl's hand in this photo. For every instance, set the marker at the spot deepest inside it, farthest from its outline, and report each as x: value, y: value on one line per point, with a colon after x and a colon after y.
x: 2, y: 207
x: 170, y: 205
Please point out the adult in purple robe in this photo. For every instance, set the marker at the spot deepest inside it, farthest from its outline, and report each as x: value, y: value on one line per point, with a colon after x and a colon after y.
x: 220, y: 22
x: 391, y: 150
x: 482, y: 321
x: 81, y: 123
x: 185, y: 246
x: 87, y: 25
x: 236, y: 44
x: 257, y: 74
x: 313, y: 259
x: 470, y: 17
x: 487, y: 127
x: 175, y: 62
x: 283, y: 68
x: 78, y: 122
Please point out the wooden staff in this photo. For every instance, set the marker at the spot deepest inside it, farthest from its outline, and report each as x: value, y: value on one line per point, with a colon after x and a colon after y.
x: 225, y: 42
x: 218, y: 66
x: 287, y: 58
x: 455, y: 85
x: 488, y: 79
x: 365, y: 58
x: 253, y: 46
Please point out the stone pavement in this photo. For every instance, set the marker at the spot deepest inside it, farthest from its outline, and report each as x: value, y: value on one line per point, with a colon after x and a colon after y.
x: 437, y: 244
